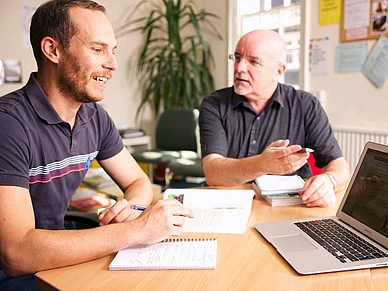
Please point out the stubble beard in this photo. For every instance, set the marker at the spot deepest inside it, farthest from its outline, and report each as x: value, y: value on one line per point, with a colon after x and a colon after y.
x: 73, y: 81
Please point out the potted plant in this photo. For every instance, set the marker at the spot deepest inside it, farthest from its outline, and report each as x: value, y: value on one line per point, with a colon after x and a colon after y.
x: 174, y: 61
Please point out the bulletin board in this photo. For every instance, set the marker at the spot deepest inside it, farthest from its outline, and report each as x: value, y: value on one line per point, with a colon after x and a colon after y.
x: 363, y: 19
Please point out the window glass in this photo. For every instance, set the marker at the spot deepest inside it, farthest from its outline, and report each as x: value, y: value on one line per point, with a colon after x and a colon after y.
x: 282, y: 16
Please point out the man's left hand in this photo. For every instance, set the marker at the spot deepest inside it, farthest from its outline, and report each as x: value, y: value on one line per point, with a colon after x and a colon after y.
x: 119, y: 212
x: 318, y: 191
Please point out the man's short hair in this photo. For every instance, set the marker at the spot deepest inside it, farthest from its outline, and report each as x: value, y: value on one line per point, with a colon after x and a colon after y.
x: 52, y: 19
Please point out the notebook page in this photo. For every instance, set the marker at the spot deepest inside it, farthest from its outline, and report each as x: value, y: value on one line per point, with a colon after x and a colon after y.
x: 173, y: 254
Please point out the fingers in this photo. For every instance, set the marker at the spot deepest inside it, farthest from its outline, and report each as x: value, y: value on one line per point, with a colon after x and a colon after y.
x: 175, y: 208
x: 318, y: 192
x: 280, y: 143
x: 284, y: 160
x: 163, y: 219
x: 119, y: 212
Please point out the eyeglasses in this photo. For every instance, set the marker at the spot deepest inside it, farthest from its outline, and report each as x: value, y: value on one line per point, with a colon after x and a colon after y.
x: 252, y: 61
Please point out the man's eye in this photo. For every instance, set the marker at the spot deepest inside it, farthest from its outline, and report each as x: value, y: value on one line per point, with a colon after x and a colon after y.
x: 254, y: 62
x: 97, y: 50
x: 237, y: 58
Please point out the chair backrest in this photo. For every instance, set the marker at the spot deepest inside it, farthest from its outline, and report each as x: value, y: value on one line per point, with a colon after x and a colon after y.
x: 80, y: 220
x: 177, y: 129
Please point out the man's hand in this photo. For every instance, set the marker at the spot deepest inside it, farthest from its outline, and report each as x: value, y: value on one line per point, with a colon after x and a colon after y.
x: 121, y: 211
x: 161, y: 220
x: 318, y: 191
x: 281, y: 159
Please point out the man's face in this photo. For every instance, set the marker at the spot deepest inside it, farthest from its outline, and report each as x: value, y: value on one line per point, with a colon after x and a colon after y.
x: 87, y: 64
x: 255, y: 73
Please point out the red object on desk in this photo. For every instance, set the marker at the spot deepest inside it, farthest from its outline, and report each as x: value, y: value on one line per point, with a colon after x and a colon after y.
x: 314, y: 169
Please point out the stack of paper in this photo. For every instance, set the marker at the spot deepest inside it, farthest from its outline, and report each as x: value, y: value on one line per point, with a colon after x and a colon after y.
x: 279, y: 190
x: 215, y: 210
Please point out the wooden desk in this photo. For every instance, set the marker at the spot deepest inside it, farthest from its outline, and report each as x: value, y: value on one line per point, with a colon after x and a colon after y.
x: 245, y: 262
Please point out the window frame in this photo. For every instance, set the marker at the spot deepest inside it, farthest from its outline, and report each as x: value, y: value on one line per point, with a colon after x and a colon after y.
x: 233, y: 25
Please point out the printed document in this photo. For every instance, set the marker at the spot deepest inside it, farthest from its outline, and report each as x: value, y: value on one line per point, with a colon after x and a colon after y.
x: 215, y: 210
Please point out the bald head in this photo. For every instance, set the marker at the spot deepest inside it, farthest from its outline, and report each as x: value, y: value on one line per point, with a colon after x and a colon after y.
x: 260, y: 61
x: 268, y: 44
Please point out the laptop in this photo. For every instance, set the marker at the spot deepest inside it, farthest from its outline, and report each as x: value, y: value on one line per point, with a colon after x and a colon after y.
x: 321, y: 244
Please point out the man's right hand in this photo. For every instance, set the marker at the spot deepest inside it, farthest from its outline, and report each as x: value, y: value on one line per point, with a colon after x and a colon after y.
x: 161, y: 220
x: 279, y: 158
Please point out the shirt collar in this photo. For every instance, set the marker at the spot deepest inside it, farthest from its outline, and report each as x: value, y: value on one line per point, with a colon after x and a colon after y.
x: 276, y: 97
x: 46, y: 111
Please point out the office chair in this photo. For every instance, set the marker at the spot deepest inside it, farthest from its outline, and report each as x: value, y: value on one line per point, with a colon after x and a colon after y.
x: 176, y: 137
x: 191, y: 169
x: 80, y: 220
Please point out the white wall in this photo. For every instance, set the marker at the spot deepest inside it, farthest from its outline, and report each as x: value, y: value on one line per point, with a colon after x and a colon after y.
x: 122, y: 95
x: 351, y: 99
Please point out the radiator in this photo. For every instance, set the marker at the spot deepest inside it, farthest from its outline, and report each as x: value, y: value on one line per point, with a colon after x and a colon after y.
x: 352, y: 141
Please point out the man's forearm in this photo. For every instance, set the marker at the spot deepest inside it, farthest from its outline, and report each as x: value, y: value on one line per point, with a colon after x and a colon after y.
x: 220, y: 171
x: 46, y: 249
x: 140, y: 192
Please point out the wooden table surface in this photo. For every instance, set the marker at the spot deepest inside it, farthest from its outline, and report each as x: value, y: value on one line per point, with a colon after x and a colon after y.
x: 245, y: 262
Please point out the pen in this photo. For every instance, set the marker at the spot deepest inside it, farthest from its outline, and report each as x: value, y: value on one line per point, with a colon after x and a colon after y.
x: 229, y: 207
x: 139, y: 207
x: 306, y: 150
x: 302, y: 150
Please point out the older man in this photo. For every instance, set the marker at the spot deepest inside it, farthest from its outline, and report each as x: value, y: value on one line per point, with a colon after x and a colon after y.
x: 258, y: 126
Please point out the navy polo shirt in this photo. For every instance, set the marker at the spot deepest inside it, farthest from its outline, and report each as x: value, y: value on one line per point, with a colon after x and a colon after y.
x: 229, y: 126
x: 40, y: 152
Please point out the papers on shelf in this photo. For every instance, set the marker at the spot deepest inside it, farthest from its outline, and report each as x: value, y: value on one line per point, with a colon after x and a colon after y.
x: 98, y: 178
x: 216, y: 210
x: 85, y: 199
x: 131, y: 132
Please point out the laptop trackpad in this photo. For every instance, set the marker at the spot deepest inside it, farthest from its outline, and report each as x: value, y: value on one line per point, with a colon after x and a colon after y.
x: 292, y: 243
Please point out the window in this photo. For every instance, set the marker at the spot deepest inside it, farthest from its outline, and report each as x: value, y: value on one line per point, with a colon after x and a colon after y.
x: 282, y: 16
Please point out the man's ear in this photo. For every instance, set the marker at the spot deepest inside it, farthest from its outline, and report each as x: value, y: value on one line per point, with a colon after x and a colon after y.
x: 50, y: 49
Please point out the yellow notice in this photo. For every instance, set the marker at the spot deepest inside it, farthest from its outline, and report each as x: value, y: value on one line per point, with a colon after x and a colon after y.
x: 329, y: 11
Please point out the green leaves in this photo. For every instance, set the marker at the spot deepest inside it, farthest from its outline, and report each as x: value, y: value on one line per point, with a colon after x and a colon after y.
x: 174, y: 62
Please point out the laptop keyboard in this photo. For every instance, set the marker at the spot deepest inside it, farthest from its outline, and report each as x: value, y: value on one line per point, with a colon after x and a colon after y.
x: 339, y: 241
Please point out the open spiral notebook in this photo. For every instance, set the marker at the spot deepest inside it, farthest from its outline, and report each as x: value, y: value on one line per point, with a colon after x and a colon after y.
x: 169, y: 254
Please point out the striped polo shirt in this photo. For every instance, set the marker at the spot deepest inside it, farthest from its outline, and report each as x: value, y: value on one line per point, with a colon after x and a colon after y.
x: 40, y: 152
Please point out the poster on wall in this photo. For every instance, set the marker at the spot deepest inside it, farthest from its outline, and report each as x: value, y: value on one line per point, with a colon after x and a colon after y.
x: 375, y: 67
x: 10, y: 71
x: 27, y: 10
x: 329, y: 12
x: 318, y: 56
x: 363, y: 19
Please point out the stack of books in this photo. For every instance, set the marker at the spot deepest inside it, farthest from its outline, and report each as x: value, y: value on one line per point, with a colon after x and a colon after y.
x: 279, y: 190
x: 86, y: 199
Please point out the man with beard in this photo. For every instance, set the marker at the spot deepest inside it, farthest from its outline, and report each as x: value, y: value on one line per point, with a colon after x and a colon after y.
x: 258, y: 126
x: 51, y: 130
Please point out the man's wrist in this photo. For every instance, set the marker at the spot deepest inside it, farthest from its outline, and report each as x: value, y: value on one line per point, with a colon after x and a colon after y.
x: 332, y: 179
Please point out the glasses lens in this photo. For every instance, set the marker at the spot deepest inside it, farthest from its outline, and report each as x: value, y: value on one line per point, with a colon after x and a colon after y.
x: 231, y: 57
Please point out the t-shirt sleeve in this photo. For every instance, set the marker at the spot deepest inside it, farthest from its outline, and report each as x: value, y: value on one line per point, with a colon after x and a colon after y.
x: 320, y: 136
x: 212, y: 133
x: 111, y: 141
x: 14, y: 149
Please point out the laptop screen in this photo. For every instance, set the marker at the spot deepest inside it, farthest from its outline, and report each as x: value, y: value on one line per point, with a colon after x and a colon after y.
x: 367, y: 201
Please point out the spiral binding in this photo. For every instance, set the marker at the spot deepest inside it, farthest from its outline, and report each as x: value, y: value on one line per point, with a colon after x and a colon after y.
x: 187, y: 239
